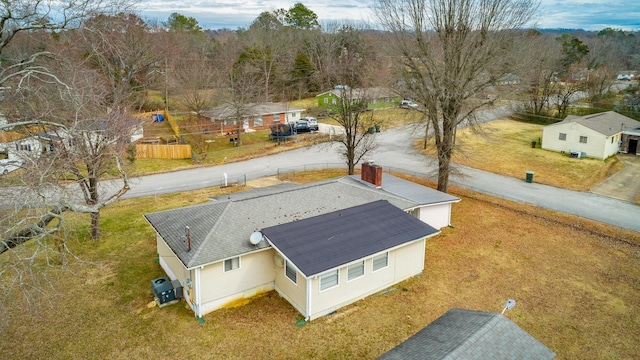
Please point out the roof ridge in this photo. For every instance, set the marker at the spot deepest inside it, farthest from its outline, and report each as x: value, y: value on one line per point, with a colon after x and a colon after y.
x: 205, y: 241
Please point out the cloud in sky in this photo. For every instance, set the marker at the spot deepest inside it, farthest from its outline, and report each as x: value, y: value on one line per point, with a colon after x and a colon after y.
x: 232, y: 14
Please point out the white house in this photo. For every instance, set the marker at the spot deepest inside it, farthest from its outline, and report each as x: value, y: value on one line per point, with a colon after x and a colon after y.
x: 321, y: 246
x: 598, y: 136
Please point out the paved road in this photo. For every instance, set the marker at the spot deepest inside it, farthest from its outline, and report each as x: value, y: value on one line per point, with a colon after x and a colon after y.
x: 395, y: 151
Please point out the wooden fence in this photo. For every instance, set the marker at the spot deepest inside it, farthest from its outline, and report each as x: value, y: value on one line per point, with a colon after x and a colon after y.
x: 151, y: 151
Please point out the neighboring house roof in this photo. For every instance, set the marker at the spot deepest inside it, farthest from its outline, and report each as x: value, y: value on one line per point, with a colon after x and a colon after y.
x: 220, y: 229
x: 228, y: 111
x: 324, y: 242
x: 607, y: 123
x: 468, y: 334
x: 359, y: 93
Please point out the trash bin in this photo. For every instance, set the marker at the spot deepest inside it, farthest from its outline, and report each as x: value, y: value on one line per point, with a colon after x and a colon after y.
x: 372, y: 130
x: 529, y: 176
x: 377, y: 128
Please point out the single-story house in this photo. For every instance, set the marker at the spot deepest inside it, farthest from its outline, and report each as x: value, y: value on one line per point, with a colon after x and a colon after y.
x: 468, y: 334
x: 33, y: 146
x: 321, y: 246
x: 598, y: 135
x: 253, y: 116
x: 375, y: 96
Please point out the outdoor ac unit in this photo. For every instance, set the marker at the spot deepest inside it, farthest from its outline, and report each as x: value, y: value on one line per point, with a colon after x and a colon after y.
x: 163, y: 290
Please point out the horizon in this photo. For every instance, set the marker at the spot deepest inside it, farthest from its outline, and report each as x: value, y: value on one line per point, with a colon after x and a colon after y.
x: 594, y: 15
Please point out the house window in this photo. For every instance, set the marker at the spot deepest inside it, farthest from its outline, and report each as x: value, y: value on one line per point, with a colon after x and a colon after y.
x: 583, y: 139
x: 257, y: 121
x: 333, y: 101
x: 380, y: 261
x: 329, y: 280
x: 229, y: 121
x: 23, y: 147
x: 355, y: 271
x: 326, y: 100
x: 276, y: 117
x: 612, y: 139
x: 231, y: 264
x: 291, y: 273
x: 563, y: 136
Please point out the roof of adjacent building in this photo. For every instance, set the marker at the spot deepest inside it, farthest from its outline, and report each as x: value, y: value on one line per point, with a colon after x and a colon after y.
x: 320, y: 243
x: 607, y: 123
x: 252, y: 109
x: 469, y: 334
x: 220, y: 229
x: 360, y: 93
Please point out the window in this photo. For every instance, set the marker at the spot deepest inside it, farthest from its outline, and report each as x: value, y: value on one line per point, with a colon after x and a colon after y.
x: 23, y: 147
x: 326, y: 100
x: 355, y: 271
x: 583, y: 139
x: 231, y: 264
x: 329, y: 280
x: 563, y: 136
x: 612, y: 139
x: 276, y: 117
x: 333, y: 101
x: 380, y: 261
x: 229, y: 121
x: 291, y: 273
x: 257, y: 121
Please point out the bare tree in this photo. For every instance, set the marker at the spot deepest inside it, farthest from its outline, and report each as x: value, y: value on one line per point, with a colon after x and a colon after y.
x: 450, y: 51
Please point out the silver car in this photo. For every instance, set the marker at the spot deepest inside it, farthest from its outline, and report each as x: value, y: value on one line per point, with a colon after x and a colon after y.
x: 7, y: 166
x: 312, y: 123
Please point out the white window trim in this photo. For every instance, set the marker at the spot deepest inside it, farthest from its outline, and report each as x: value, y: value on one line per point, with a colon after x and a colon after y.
x: 377, y: 256
x: 586, y: 138
x: 332, y: 272
x: 224, y: 264
x: 286, y: 264
x: 560, y: 137
x: 364, y: 266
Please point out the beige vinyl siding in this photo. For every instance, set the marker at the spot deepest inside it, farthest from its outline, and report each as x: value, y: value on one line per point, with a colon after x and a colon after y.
x: 170, y: 262
x: 293, y: 293
x: 404, y: 262
x: 596, y: 145
x: 255, y: 275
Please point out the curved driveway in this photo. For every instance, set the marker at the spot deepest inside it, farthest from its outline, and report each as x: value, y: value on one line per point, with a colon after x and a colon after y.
x: 395, y: 151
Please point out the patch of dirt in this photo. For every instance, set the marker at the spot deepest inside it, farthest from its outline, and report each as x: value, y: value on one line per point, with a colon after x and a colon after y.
x: 264, y: 182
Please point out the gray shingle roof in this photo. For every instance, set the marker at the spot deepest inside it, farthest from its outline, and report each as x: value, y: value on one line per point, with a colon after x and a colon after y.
x: 607, y: 123
x: 410, y: 190
x: 221, y: 228
x: 324, y: 242
x: 468, y: 334
x: 258, y: 109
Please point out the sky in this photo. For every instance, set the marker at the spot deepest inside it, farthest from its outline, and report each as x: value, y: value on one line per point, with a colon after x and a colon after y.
x: 589, y: 15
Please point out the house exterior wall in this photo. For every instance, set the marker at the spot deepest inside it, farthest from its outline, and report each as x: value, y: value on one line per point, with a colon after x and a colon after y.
x: 438, y: 216
x: 596, y: 146
x: 219, y: 288
x: 295, y: 294
x: 403, y: 263
x: 30, y: 147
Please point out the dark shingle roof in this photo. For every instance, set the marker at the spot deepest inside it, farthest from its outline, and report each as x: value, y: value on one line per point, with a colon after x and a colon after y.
x: 468, y: 334
x: 607, y: 123
x: 221, y: 229
x: 324, y: 242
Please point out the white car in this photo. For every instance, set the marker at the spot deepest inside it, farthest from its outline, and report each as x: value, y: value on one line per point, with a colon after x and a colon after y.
x: 7, y: 166
x: 408, y: 104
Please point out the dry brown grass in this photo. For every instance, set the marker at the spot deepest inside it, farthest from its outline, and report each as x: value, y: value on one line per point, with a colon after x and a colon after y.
x: 576, y: 292
x: 504, y: 147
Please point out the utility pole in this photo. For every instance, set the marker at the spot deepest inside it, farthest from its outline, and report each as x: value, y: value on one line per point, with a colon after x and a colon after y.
x: 166, y: 87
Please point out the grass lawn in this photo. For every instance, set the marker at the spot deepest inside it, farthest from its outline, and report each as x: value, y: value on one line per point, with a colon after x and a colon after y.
x: 576, y: 292
x: 504, y: 147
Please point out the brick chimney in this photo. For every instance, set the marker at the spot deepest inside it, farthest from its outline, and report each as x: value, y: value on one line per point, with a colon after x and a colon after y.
x: 371, y: 173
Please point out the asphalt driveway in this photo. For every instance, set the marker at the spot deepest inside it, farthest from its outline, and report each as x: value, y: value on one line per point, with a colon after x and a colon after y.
x: 625, y: 184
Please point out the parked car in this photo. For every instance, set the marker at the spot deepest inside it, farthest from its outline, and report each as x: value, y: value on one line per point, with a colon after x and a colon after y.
x: 7, y: 166
x: 312, y: 123
x: 408, y: 104
x: 302, y: 126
